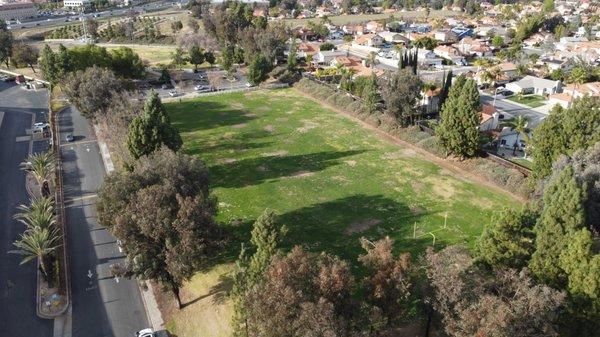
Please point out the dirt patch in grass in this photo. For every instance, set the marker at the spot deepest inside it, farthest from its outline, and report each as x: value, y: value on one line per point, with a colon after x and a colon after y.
x: 416, y: 210
x: 308, y: 125
x: 442, y: 187
x: 239, y: 126
x: 279, y: 153
x: 262, y: 168
x: 250, y: 115
x: 350, y: 162
x: 302, y: 174
x: 282, y: 119
x: 237, y: 105
x: 269, y: 128
x: 229, y: 160
x: 228, y: 135
x: 417, y: 186
x: 362, y: 226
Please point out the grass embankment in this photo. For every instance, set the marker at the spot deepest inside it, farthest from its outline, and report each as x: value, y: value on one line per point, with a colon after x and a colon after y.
x: 330, y: 180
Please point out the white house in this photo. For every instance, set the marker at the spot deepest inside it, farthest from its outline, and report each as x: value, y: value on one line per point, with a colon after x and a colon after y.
x: 325, y: 56
x: 393, y: 37
x: 428, y: 58
x: 534, y: 85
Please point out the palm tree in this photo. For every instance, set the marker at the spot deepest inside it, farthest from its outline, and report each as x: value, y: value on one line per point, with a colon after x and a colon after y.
x: 578, y: 76
x: 491, y: 75
x: 372, y: 59
x: 519, y: 124
x: 41, y: 166
x: 40, y: 213
x: 37, y: 243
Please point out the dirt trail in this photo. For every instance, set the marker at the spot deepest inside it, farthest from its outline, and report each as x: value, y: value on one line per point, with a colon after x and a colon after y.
x: 454, y: 167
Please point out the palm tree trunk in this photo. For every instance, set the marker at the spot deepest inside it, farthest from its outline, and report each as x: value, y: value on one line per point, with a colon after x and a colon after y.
x: 175, y: 289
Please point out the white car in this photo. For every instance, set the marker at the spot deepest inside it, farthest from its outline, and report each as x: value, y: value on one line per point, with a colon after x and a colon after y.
x: 173, y: 93
x: 151, y: 333
x: 200, y: 87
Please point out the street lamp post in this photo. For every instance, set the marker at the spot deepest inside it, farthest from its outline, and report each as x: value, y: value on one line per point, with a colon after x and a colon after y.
x: 496, y: 94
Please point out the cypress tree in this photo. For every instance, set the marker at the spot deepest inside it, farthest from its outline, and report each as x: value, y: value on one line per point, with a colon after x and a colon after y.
x: 458, y: 130
x: 371, y: 94
x: 48, y: 65
x: 265, y: 238
x: 401, y: 61
x: 415, y: 61
x: 151, y: 130
x: 447, y: 82
x: 562, y: 216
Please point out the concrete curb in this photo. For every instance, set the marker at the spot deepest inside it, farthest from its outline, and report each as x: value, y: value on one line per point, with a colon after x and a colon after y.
x: 152, y: 310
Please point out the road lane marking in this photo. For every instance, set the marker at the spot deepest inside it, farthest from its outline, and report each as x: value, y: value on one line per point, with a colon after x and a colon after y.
x: 80, y: 198
x: 23, y: 139
x: 1, y: 117
x: 79, y: 142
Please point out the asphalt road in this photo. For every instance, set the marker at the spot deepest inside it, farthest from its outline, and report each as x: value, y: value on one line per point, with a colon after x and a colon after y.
x: 513, y: 110
x: 102, y: 305
x: 17, y: 283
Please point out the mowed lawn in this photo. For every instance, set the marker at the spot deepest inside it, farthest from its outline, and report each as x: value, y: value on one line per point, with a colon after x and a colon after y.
x: 330, y: 181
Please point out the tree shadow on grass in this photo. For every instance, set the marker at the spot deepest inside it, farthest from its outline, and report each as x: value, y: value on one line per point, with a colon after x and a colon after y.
x: 238, y: 142
x: 253, y: 171
x: 192, y: 116
x: 336, y: 226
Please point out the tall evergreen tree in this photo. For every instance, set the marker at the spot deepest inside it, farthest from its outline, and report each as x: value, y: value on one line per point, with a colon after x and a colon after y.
x: 151, y: 130
x: 6, y: 43
x: 509, y: 240
x: 562, y: 216
x: 415, y: 61
x: 446, y: 83
x: 48, y: 65
x: 371, y: 94
x: 458, y: 131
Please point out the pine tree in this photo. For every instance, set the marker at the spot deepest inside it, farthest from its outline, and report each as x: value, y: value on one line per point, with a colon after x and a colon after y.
x: 562, y: 216
x: 151, y: 130
x: 48, y: 65
x: 265, y: 238
x: 401, y: 61
x: 471, y: 94
x: 458, y: 130
x: 371, y: 94
x: 509, y: 241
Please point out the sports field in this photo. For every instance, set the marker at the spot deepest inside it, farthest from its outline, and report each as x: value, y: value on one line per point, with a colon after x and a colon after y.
x: 330, y: 180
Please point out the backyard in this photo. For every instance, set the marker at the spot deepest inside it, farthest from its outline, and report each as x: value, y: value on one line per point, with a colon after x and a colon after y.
x: 533, y: 101
x: 330, y: 181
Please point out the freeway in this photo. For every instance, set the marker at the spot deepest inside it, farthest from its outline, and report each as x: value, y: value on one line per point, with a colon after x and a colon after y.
x: 102, y: 305
x: 60, y: 20
x: 18, y: 108
x: 513, y: 110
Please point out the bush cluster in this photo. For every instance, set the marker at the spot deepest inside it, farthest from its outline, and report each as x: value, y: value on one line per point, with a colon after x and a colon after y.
x: 507, y: 178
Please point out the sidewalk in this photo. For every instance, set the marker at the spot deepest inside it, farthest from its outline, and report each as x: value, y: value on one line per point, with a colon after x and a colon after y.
x: 152, y: 311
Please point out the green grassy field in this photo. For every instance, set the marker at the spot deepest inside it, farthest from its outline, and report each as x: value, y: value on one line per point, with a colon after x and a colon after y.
x: 330, y: 180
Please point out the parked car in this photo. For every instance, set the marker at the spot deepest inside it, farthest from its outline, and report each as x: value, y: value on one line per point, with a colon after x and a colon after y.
x: 166, y: 86
x: 151, y: 333
x: 173, y: 93
x: 69, y: 138
x: 200, y: 87
x: 506, y: 93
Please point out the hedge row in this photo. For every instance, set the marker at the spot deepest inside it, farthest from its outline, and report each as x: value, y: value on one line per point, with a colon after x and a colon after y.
x: 510, y: 179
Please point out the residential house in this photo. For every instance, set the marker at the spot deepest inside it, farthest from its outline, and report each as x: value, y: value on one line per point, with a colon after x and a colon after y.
x: 428, y: 58
x: 507, y: 72
x: 555, y: 64
x: 450, y: 53
x: 306, y: 48
x: 353, y: 29
x: 445, y: 35
x: 393, y: 37
x: 356, y: 65
x: 538, y: 39
x: 472, y: 47
x: 375, y: 26
x: 572, y: 91
x: 325, y: 56
x: 462, y: 32
x: 534, y: 85
x: 430, y: 100
x: 369, y: 40
x: 490, y: 119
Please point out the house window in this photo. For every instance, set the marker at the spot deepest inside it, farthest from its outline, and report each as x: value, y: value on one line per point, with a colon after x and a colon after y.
x: 503, y: 142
